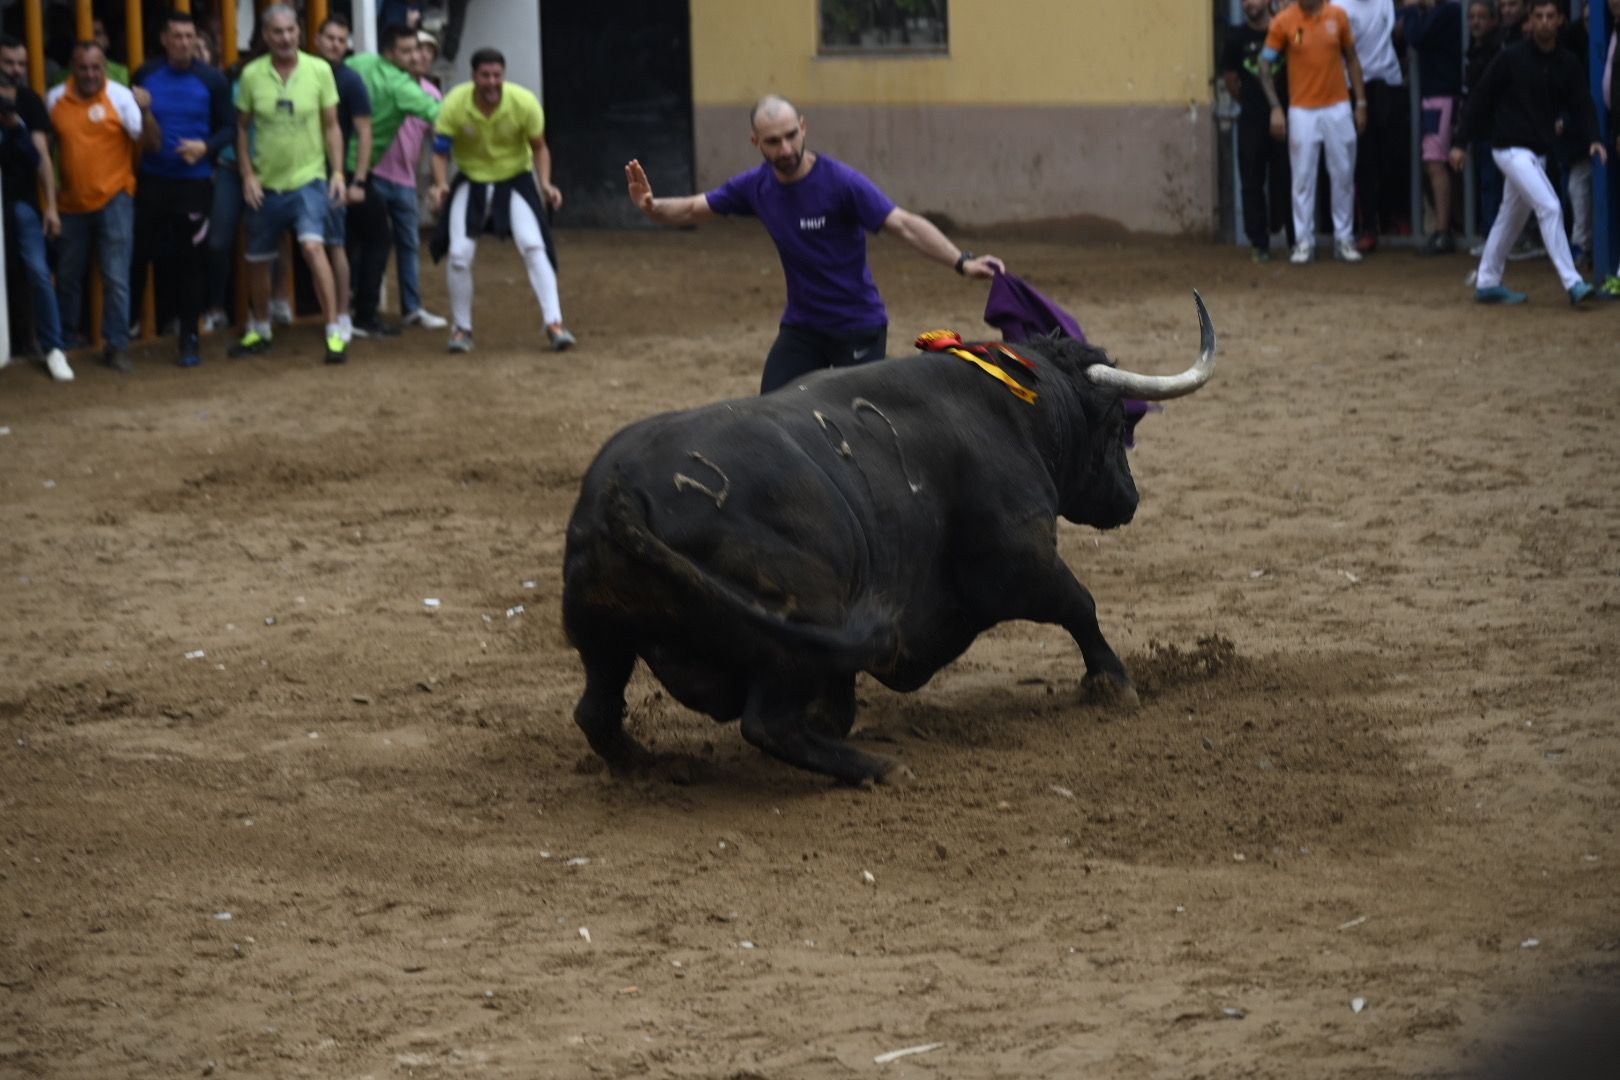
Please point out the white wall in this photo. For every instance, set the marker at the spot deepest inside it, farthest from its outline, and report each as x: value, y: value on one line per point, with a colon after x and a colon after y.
x: 511, y: 26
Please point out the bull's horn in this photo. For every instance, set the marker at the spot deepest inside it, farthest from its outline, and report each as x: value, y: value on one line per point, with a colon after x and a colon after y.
x: 1164, y: 387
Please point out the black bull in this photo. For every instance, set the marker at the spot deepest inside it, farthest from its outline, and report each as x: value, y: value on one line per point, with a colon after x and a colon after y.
x: 759, y: 553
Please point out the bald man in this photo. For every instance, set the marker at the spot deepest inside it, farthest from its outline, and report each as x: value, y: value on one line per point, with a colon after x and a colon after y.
x: 818, y: 210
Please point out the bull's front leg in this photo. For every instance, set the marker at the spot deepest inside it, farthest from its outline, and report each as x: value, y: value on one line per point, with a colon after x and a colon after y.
x: 1051, y: 594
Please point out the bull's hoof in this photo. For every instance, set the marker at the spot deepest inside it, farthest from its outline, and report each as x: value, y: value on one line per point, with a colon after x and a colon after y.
x: 1109, y: 691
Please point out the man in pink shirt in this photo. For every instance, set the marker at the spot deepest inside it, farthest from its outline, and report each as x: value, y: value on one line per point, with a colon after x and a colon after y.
x: 394, y: 179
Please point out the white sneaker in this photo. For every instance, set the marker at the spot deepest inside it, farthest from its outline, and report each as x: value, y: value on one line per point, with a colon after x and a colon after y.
x: 281, y: 313
x: 57, y: 365
x: 1345, y: 251
x: 1303, y: 252
x: 215, y: 320
x: 426, y: 320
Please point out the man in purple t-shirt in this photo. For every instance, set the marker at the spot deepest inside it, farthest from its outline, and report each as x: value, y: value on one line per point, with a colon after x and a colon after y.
x: 818, y: 210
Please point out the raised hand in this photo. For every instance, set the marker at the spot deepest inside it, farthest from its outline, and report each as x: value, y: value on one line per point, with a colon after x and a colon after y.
x: 640, y: 189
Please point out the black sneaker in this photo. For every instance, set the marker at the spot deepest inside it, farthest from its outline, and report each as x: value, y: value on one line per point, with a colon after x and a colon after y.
x: 117, y: 359
x: 190, y: 353
x: 377, y: 329
x: 253, y: 343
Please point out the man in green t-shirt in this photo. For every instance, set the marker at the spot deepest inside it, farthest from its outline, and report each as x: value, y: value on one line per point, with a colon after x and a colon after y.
x: 497, y: 135
x: 290, y: 149
x: 395, y: 95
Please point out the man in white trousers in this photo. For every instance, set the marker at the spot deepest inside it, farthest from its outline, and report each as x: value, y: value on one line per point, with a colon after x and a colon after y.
x: 1315, y: 39
x: 497, y: 134
x: 1516, y: 105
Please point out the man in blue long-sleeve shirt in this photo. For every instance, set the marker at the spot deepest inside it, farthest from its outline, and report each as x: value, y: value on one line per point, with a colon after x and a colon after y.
x: 192, y: 103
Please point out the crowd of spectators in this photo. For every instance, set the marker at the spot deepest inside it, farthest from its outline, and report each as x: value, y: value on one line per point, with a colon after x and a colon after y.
x: 154, y: 171
x: 1288, y: 47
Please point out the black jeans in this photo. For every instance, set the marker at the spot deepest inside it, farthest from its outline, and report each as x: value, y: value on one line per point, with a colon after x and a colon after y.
x: 171, y: 230
x: 1383, y: 182
x: 1263, y: 172
x: 371, y: 235
x: 799, y: 350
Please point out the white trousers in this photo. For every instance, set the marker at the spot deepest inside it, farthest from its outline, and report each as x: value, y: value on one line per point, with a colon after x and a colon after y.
x: 1525, y: 190
x: 530, y: 241
x: 1332, y: 131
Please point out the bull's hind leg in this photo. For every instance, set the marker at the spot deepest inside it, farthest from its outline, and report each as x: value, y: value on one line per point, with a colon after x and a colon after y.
x: 832, y: 711
x: 776, y: 719
x: 600, y: 712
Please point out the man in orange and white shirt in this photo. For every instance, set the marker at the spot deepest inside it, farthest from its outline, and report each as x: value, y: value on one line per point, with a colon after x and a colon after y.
x: 98, y: 124
x: 1315, y: 37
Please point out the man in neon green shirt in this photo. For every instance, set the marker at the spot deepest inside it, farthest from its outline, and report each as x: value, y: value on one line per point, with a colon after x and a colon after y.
x: 287, y: 141
x: 497, y: 135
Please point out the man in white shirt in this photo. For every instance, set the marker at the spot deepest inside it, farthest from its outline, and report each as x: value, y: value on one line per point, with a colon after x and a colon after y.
x: 1382, y: 183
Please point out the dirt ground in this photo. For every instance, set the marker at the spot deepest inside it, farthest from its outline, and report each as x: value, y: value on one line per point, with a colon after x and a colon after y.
x: 265, y: 813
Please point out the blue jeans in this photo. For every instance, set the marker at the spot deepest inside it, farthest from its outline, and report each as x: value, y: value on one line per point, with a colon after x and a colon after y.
x: 406, y: 220
x: 25, y: 222
x: 112, y: 229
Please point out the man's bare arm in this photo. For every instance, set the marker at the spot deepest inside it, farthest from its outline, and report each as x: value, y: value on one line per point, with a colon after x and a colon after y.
x: 925, y: 236
x: 681, y: 210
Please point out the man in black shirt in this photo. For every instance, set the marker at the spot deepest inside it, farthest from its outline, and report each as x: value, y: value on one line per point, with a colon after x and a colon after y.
x: 24, y: 119
x: 1262, y: 160
x: 1517, y: 103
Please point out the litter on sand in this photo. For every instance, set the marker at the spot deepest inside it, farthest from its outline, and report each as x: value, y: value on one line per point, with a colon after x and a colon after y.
x: 431, y: 601
x: 1357, y: 921
x: 1357, y: 1004
x: 195, y: 654
x: 1529, y: 943
x: 1061, y: 791
x: 895, y: 1055
x: 586, y: 934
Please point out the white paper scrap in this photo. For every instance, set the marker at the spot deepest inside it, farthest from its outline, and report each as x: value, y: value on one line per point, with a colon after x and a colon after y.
x: 895, y: 1055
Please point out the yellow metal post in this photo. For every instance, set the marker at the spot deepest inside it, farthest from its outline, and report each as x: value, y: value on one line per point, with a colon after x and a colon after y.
x: 86, y: 21
x: 227, y: 30
x: 316, y: 12
x: 35, y: 18
x: 135, y: 34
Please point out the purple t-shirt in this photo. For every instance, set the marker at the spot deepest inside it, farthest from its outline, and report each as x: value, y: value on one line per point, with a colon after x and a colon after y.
x: 817, y: 225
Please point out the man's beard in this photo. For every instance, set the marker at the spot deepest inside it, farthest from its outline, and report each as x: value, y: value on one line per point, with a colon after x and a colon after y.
x: 787, y: 165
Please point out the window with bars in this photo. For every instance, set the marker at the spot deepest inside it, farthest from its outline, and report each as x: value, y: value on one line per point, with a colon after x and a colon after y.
x: 856, y: 27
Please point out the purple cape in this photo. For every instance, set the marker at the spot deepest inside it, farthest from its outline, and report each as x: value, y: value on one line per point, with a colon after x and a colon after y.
x: 1021, y: 312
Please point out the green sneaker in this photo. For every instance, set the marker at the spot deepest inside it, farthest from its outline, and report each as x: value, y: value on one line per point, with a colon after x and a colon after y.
x: 1610, y: 289
x: 337, y: 350
x: 253, y: 343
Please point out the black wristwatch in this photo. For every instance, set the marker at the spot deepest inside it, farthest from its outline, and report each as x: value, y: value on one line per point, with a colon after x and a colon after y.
x: 962, y: 258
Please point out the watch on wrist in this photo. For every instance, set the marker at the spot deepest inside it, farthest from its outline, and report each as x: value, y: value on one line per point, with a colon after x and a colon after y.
x: 962, y: 258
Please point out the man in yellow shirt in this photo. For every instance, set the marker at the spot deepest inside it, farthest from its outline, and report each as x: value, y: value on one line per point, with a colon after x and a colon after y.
x: 497, y: 135
x: 290, y: 150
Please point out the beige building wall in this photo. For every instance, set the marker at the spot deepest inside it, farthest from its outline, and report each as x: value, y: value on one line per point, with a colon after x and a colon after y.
x: 1042, y: 109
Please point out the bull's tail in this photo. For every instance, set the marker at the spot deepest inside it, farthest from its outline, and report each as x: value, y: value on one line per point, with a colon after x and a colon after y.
x: 866, y: 640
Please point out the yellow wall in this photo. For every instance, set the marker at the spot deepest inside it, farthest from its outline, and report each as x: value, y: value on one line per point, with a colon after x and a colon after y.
x: 1002, y: 52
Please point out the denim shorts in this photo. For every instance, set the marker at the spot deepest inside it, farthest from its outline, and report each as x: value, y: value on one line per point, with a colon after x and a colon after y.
x: 303, y: 210
x: 337, y: 222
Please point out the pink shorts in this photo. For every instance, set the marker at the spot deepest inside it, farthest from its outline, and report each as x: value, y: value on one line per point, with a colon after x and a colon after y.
x: 1437, y: 127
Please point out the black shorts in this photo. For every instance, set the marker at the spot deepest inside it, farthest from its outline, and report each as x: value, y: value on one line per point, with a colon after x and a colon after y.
x: 799, y: 350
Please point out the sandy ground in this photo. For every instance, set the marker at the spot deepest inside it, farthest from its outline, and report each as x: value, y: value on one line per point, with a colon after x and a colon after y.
x: 263, y: 813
